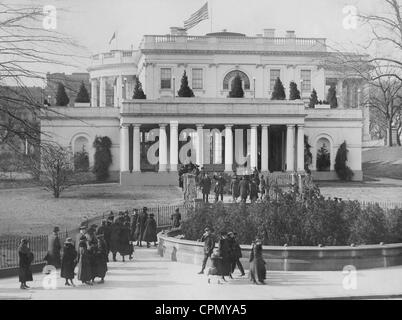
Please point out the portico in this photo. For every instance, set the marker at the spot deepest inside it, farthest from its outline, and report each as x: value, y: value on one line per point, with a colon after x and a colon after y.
x: 217, y: 134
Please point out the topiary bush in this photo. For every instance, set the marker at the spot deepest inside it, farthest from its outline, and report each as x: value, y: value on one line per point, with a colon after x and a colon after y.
x: 81, y: 161
x: 237, y: 89
x: 103, y: 158
x: 323, y: 159
x: 82, y: 96
x: 279, y: 91
x: 342, y: 170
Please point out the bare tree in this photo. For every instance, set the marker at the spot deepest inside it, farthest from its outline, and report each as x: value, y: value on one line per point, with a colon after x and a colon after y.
x: 54, y: 169
x: 26, y: 50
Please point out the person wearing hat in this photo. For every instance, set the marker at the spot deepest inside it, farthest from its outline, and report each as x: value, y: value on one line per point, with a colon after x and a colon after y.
x: 176, y: 218
x: 234, y: 188
x: 257, y: 264
x: 68, y: 262
x: 111, y: 217
x: 219, y: 187
x: 205, y: 185
x: 236, y: 253
x: 80, y: 237
x: 133, y: 224
x: 150, y: 230
x: 101, y: 259
x: 84, y: 264
x: 53, y: 256
x: 124, y: 247
x: 253, y: 191
x: 142, y: 220
x: 25, y: 259
x: 244, y: 189
x: 226, y: 255
x: 209, y: 244
x: 105, y: 230
x: 115, y: 238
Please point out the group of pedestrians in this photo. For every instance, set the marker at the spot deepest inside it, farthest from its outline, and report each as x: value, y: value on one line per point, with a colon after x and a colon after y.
x: 245, y: 187
x: 226, y: 257
x: 90, y: 251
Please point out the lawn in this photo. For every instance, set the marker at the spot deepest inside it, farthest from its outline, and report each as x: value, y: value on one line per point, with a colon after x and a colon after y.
x: 33, y: 211
x: 383, y: 170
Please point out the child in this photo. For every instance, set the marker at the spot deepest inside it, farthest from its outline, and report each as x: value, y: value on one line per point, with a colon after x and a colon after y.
x: 215, y: 269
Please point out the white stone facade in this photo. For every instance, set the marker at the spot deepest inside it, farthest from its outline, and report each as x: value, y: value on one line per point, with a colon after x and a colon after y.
x: 152, y: 137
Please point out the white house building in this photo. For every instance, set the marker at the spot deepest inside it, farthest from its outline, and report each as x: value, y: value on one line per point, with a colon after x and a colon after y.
x: 152, y: 137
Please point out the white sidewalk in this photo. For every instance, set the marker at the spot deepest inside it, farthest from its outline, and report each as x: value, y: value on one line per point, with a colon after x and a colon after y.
x: 150, y: 277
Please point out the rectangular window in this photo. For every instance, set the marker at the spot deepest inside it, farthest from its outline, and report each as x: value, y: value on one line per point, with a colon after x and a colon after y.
x: 305, y: 76
x: 166, y: 78
x: 273, y: 75
x: 197, y: 79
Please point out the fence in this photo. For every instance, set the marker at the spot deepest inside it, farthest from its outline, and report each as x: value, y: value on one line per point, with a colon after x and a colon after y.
x: 39, y: 244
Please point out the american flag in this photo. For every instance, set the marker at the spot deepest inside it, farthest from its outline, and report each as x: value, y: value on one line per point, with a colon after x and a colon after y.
x: 196, y: 17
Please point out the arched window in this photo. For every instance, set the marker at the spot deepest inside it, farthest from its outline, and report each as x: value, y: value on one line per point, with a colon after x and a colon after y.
x: 323, y: 155
x: 227, y: 81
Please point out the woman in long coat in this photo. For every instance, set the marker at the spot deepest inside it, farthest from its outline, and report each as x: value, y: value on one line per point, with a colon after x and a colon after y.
x: 101, y: 258
x: 150, y: 231
x: 115, y: 238
x: 225, y: 253
x: 133, y: 225
x: 257, y: 263
x: 25, y: 259
x: 124, y: 241
x: 84, y: 264
x: 68, y: 262
x: 53, y: 256
x: 235, y: 188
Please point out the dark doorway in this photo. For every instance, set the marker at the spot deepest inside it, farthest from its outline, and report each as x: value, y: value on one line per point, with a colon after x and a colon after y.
x: 276, y: 147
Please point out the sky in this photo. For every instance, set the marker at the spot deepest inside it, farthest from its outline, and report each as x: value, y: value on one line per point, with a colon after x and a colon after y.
x: 93, y: 22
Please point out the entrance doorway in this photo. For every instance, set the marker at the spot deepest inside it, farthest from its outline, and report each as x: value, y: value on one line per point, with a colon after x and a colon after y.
x: 276, y: 148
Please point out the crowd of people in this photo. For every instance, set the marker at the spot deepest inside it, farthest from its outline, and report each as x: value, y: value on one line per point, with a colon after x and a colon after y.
x: 92, y: 246
x: 245, y: 187
x: 226, y: 257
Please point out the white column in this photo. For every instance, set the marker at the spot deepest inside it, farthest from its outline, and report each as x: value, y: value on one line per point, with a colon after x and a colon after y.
x: 200, y: 145
x: 174, y: 145
x: 124, y: 149
x: 290, y: 138
x: 102, y: 92
x: 162, y: 148
x: 264, y: 148
x: 253, y: 147
x: 300, y: 148
x: 339, y: 93
x: 228, y: 148
x: 119, y: 93
x: 136, y: 148
x: 94, y: 89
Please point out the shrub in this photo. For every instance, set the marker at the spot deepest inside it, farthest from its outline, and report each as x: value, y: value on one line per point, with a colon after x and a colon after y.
x: 342, y: 170
x: 103, y: 157
x: 279, y: 91
x: 237, y: 89
x: 294, y: 93
x: 323, y: 159
x: 308, y: 157
x: 138, y: 92
x: 185, y: 90
x: 81, y: 161
x: 82, y: 96
x: 313, y: 99
x: 61, y: 96
x: 331, y: 97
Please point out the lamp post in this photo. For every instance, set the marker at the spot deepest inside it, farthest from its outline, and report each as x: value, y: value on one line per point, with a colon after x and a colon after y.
x: 254, y: 87
x: 173, y: 86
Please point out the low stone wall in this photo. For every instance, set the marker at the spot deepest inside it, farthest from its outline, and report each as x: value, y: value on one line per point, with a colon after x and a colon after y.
x: 293, y: 258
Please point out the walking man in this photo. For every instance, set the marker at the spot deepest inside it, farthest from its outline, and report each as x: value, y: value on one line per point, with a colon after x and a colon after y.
x: 244, y: 189
x: 205, y: 185
x: 209, y: 244
x: 236, y: 251
x: 53, y: 256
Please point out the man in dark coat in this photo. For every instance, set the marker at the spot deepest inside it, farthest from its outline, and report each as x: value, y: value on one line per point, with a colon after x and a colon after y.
x: 209, y: 244
x: 142, y: 220
x: 133, y: 224
x: 219, y: 186
x: 226, y: 255
x: 124, y: 241
x: 236, y: 253
x: 53, y: 256
x: 176, y: 218
x: 101, y: 258
x: 25, y: 259
x: 106, y: 230
x: 244, y: 189
x: 205, y: 187
x: 114, y: 238
x: 253, y: 191
x: 68, y: 262
x: 150, y: 230
x: 234, y: 188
